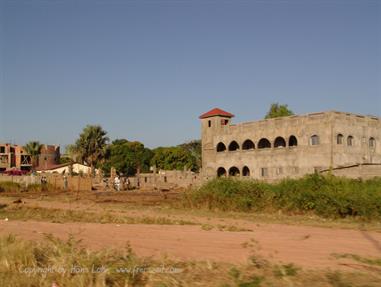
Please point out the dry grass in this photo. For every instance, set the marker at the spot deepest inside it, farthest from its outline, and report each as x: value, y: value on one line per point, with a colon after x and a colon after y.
x: 27, y: 264
x: 64, y: 215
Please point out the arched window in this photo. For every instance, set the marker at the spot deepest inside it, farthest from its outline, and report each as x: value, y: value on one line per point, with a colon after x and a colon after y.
x: 350, y: 141
x: 372, y: 142
x: 264, y: 143
x: 279, y: 142
x: 245, y: 171
x: 233, y: 146
x: 221, y: 147
x: 233, y: 171
x: 339, y: 139
x: 221, y: 172
x: 315, y: 140
x: 292, y: 141
x: 248, y: 144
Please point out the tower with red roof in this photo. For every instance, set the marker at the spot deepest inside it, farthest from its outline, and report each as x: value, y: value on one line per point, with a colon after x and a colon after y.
x: 212, y: 122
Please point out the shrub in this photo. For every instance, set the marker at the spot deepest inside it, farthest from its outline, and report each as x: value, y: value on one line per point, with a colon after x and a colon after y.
x: 327, y: 196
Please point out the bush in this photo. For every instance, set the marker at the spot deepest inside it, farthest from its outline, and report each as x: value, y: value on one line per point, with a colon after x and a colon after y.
x: 9, y: 186
x: 327, y: 196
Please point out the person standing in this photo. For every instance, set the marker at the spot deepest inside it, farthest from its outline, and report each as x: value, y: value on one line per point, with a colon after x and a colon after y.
x: 117, y: 183
x: 65, y: 182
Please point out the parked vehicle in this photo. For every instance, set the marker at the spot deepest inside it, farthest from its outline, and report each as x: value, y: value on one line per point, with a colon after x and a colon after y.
x: 16, y: 172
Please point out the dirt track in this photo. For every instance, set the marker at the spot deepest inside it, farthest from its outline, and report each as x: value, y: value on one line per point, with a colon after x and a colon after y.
x: 308, y: 247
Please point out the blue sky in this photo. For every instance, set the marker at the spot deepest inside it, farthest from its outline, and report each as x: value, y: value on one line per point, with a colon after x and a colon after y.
x: 145, y: 70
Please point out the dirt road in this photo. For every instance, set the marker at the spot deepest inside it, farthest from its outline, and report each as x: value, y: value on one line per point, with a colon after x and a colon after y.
x: 308, y: 247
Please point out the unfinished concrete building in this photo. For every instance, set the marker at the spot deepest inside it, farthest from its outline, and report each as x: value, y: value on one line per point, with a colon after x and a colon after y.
x: 15, y: 157
x: 291, y: 146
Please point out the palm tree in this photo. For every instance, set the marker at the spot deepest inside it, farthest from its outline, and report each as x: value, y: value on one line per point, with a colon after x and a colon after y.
x: 33, y: 148
x: 91, y: 145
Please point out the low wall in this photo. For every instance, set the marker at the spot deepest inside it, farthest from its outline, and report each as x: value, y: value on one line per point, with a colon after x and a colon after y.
x: 75, y: 183
x: 166, y: 179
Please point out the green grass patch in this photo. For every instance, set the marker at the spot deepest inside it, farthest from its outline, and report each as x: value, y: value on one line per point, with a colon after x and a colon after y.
x: 325, y: 196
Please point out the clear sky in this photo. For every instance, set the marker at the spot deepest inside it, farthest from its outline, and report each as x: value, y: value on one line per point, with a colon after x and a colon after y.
x: 145, y: 70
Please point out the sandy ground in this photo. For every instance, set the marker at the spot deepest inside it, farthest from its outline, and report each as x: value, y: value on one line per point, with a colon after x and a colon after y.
x: 307, y: 247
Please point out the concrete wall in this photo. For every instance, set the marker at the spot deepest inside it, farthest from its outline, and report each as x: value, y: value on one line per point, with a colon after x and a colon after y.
x: 290, y: 161
x: 165, y: 179
x: 75, y: 183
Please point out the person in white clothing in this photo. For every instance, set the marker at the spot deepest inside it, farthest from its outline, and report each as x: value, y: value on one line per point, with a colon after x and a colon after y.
x: 117, y: 183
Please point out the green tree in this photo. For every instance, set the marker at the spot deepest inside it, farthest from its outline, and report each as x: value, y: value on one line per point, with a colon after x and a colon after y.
x: 276, y: 110
x: 33, y: 148
x: 127, y: 157
x: 194, y: 148
x: 91, y: 145
x: 173, y: 158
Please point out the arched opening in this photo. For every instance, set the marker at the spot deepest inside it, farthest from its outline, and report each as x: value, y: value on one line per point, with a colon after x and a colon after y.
x: 315, y: 140
x: 292, y: 141
x: 248, y: 144
x: 372, y: 142
x: 279, y: 142
x: 339, y: 139
x: 350, y: 140
x: 221, y: 147
x: 221, y: 172
x: 264, y: 143
x: 245, y: 171
x: 233, y: 171
x: 233, y: 146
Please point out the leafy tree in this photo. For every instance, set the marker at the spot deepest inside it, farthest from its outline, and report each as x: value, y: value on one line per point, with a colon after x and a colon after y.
x: 276, y: 110
x: 170, y: 158
x: 33, y: 148
x: 194, y: 148
x: 91, y: 145
x: 127, y: 157
x: 65, y: 159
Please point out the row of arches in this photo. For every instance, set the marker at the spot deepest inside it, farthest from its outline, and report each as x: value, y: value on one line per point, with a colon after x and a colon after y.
x: 263, y: 143
x: 233, y: 171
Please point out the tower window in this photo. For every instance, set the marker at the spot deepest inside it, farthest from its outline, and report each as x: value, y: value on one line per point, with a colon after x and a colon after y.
x: 372, y: 142
x: 339, y: 139
x: 350, y: 141
x: 209, y: 123
x: 315, y: 140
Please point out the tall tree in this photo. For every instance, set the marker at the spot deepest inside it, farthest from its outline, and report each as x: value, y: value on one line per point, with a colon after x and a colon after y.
x: 91, y: 145
x: 276, y: 110
x: 127, y: 157
x: 33, y: 148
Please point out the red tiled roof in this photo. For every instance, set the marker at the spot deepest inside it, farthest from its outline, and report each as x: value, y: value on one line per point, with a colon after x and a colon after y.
x: 216, y: 112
